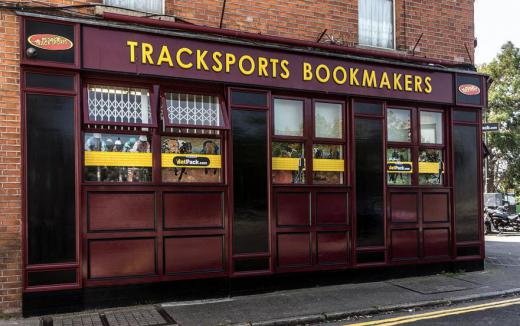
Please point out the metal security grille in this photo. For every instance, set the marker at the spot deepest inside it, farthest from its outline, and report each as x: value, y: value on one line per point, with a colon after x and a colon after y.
x: 193, y: 110
x: 112, y: 104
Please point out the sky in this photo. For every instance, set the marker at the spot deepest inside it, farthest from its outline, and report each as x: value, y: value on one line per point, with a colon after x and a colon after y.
x: 496, y: 22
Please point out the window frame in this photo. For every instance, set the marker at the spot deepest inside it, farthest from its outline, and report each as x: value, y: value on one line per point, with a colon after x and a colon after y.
x: 153, y: 91
x: 394, y: 32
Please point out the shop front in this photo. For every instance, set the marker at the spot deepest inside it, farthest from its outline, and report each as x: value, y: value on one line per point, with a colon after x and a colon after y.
x: 164, y: 155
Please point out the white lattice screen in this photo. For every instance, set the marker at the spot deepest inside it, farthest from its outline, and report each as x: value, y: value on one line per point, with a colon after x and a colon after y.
x: 119, y: 104
x: 193, y: 110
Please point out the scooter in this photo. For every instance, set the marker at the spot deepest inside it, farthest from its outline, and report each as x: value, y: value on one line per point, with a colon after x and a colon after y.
x: 500, y: 220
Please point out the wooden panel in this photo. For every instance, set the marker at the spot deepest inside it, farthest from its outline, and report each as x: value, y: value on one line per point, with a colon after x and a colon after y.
x: 292, y: 209
x: 294, y: 249
x: 436, y: 243
x: 120, y: 211
x: 121, y: 257
x: 435, y: 207
x: 332, y: 208
x: 194, y: 254
x: 403, y: 208
x: 193, y: 209
x: 405, y: 244
x: 332, y: 248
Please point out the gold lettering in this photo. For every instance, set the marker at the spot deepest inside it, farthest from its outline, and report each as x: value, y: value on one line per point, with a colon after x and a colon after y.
x: 318, y: 74
x: 369, y: 80
x: 385, y: 82
x: 307, y: 71
x: 230, y: 60
x: 216, y: 57
x: 335, y: 75
x: 262, y: 67
x: 200, y: 60
x: 285, y: 67
x: 353, y: 76
x: 397, y: 82
x: 179, y: 60
x: 146, y: 53
x: 241, y: 65
x: 274, y: 63
x: 418, y: 84
x: 165, y: 56
x: 408, y: 83
x: 427, y: 82
x: 132, y: 45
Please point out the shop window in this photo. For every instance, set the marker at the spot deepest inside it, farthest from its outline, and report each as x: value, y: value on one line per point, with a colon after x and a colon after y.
x: 431, y: 127
x: 415, y: 159
x: 288, y: 162
x: 399, y: 125
x: 296, y: 144
x: 193, y: 110
x: 189, y: 159
x: 117, y: 157
x: 288, y: 117
x: 151, y: 6
x: 328, y: 120
x: 108, y: 105
x: 376, y: 23
x: 399, y: 166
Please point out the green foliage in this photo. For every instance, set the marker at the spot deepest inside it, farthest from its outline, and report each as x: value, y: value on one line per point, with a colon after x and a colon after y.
x: 504, y: 108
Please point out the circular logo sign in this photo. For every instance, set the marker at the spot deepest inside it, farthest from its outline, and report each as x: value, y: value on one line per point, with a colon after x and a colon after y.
x: 469, y: 89
x: 50, y: 42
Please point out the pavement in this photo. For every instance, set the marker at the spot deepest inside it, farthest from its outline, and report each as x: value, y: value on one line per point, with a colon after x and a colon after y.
x: 322, y: 304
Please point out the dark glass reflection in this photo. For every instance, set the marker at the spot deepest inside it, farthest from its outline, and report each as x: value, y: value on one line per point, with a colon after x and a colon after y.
x: 465, y: 116
x: 466, y: 183
x: 51, y: 277
x: 250, y: 231
x: 249, y: 98
x: 50, y: 179
x: 252, y: 264
x: 368, y: 108
x: 39, y: 80
x: 370, y: 257
x: 369, y: 182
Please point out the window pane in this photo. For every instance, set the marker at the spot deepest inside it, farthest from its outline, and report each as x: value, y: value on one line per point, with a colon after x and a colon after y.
x: 117, y: 158
x: 288, y: 117
x: 399, y: 125
x: 399, y: 166
x: 152, y: 6
x: 41, y: 80
x: 119, y: 104
x: 193, y: 110
x: 430, y: 167
x: 466, y: 116
x: 248, y: 98
x: 431, y: 127
x: 368, y: 108
x: 328, y: 120
x: 190, y: 159
x: 288, y: 163
x: 328, y: 164
x: 376, y: 26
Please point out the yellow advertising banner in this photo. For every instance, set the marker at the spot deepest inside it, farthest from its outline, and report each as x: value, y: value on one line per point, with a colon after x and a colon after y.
x: 285, y: 163
x: 197, y: 161
x: 328, y: 165
x: 95, y: 158
x: 430, y: 167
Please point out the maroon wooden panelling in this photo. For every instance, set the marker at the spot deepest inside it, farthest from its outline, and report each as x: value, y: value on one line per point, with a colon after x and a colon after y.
x: 436, y: 243
x: 332, y: 208
x: 193, y: 209
x: 292, y: 209
x: 121, y: 257
x: 194, y: 254
x: 435, y: 207
x: 120, y: 211
x: 403, y: 208
x: 405, y: 244
x: 294, y: 249
x: 332, y: 248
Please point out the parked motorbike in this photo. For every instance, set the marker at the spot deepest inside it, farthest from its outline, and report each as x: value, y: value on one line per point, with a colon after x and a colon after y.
x: 500, y: 220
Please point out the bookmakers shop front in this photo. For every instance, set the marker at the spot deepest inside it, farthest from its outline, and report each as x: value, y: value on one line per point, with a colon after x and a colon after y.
x: 172, y: 156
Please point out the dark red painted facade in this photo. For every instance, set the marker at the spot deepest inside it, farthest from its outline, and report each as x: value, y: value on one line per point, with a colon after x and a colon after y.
x: 156, y: 231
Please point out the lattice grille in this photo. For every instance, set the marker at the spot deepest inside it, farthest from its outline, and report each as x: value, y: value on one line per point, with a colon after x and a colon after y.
x: 119, y: 104
x: 193, y: 110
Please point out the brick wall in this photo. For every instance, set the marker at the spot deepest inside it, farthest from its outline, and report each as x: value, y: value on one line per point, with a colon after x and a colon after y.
x: 447, y: 25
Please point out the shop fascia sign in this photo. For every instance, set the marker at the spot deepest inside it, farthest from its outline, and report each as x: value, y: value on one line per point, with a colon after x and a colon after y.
x: 186, y: 58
